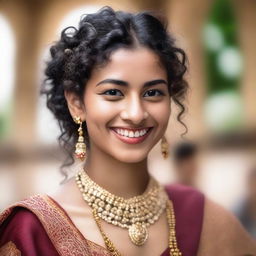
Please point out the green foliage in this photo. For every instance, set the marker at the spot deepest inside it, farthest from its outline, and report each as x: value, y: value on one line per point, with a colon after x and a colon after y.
x: 222, y: 16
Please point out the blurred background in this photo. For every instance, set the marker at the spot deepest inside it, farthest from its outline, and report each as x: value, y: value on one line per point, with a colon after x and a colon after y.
x: 219, y: 157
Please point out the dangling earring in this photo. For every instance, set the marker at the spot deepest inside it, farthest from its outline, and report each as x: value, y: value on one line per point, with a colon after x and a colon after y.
x: 164, y: 148
x: 80, y: 151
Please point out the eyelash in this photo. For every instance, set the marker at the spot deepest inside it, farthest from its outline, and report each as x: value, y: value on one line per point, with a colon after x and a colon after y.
x: 154, y: 90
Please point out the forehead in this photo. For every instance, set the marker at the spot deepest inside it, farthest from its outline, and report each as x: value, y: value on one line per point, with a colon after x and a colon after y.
x: 136, y: 65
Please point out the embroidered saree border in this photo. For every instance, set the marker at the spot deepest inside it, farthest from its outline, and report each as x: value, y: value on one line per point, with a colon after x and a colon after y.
x: 66, y: 239
x: 9, y: 249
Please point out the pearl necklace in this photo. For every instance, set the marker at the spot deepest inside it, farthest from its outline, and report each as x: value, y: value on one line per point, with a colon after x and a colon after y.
x: 173, y: 246
x: 134, y: 214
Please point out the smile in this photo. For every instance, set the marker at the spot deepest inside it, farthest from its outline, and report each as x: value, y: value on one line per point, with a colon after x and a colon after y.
x: 131, y: 136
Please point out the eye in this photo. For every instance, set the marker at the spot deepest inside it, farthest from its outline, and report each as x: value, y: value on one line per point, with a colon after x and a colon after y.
x: 152, y: 93
x: 113, y: 92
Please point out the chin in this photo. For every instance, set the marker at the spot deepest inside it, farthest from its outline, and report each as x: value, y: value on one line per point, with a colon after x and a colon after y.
x: 131, y: 157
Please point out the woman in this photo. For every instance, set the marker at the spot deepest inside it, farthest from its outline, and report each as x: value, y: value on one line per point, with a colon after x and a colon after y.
x: 111, y: 83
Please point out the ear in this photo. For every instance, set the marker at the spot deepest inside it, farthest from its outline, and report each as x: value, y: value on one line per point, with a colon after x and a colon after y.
x: 75, y: 106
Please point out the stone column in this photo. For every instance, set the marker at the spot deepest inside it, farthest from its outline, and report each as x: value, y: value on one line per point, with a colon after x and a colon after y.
x: 246, y: 17
x: 23, y: 16
x: 186, y: 21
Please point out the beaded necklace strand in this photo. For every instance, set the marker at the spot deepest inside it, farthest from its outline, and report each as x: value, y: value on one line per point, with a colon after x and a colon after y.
x: 99, y: 198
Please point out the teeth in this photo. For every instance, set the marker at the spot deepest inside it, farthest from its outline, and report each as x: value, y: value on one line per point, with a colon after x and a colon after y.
x: 131, y: 134
x: 137, y: 134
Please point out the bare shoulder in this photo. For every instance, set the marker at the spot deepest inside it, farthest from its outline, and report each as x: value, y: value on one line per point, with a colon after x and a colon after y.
x: 222, y: 234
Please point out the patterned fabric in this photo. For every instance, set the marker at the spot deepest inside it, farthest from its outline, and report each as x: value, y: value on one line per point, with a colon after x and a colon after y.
x: 9, y: 249
x: 67, y: 239
x: 64, y: 236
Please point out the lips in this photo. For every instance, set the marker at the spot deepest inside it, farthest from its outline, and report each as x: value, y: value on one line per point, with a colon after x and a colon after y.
x: 129, y: 140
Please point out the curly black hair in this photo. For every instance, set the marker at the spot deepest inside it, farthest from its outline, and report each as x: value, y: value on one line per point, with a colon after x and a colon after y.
x: 81, y: 49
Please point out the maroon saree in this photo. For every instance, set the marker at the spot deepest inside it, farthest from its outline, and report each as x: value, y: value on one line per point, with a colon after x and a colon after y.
x: 38, y: 226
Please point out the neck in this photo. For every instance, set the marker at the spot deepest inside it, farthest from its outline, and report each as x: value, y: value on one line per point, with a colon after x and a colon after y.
x: 119, y: 178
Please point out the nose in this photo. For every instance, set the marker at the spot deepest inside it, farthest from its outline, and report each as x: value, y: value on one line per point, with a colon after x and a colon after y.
x: 134, y: 111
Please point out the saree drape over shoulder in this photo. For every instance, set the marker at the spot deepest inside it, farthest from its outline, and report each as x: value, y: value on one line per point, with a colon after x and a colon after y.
x: 39, y: 226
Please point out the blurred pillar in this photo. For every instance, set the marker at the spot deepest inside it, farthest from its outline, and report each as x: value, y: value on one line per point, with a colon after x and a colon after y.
x: 246, y: 17
x: 186, y: 21
x: 24, y: 16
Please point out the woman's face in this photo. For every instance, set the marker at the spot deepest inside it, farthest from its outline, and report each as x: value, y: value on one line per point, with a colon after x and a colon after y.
x: 127, y: 105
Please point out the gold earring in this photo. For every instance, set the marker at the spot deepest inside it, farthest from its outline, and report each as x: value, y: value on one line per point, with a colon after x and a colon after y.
x: 164, y: 148
x: 80, y: 151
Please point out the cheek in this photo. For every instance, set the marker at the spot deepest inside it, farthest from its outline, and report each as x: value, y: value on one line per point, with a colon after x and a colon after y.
x: 161, y: 113
x: 98, y: 111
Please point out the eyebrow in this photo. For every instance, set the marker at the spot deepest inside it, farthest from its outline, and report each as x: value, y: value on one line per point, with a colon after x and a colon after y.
x: 124, y: 83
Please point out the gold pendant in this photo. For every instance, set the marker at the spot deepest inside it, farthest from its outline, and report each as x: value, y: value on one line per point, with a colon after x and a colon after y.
x: 138, y: 233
